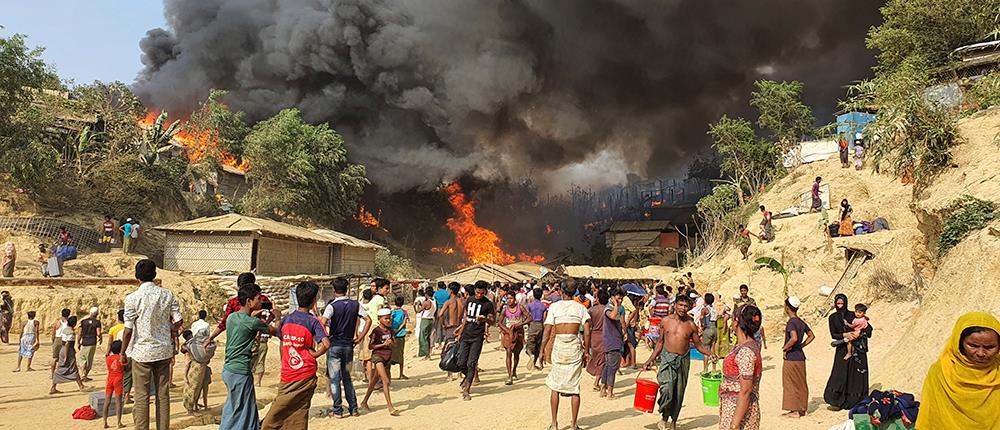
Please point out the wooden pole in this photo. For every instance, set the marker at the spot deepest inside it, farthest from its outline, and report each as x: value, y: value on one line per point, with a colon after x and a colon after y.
x: 68, y: 282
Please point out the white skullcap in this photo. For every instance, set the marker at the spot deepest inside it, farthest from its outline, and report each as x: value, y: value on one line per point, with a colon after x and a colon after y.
x: 794, y: 302
x: 93, y: 310
x: 384, y: 312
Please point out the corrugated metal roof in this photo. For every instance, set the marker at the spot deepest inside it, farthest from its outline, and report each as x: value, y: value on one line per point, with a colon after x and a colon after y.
x: 236, y: 223
x: 633, y: 239
x: 639, y: 226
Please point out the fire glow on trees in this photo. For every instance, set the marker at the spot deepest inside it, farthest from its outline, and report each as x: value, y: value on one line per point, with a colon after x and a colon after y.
x: 479, y: 244
x: 197, y: 145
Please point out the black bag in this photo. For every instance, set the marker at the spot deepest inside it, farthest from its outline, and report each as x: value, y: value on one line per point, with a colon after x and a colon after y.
x: 834, y: 230
x: 449, y: 357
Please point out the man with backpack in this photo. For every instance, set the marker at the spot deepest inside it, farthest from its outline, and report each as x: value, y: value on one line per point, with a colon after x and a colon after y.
x: 342, y: 316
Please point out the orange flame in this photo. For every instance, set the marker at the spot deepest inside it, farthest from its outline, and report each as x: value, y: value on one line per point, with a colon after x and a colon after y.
x: 446, y: 250
x: 366, y: 218
x: 656, y: 203
x: 480, y: 245
x: 198, y: 145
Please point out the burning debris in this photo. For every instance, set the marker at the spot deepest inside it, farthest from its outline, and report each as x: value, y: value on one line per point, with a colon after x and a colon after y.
x: 366, y: 218
x: 198, y: 145
x: 479, y: 244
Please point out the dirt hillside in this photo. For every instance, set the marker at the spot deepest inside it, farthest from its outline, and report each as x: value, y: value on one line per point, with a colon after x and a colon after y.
x: 914, y: 318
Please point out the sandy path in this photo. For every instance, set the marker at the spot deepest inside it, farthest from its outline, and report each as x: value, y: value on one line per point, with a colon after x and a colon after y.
x: 428, y: 400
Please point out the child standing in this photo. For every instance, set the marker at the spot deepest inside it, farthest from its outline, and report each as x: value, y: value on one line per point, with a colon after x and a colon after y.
x: 859, y: 324
x: 115, y: 384
x: 399, y: 321
x: 380, y: 342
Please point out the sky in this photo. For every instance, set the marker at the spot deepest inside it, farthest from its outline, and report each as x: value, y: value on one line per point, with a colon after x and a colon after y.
x: 85, y: 40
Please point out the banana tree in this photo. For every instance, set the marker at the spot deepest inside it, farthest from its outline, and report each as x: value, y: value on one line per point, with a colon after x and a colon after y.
x: 157, y: 137
x: 778, y: 267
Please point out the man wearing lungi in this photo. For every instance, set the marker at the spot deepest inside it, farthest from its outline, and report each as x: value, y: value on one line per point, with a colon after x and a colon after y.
x: 677, y: 332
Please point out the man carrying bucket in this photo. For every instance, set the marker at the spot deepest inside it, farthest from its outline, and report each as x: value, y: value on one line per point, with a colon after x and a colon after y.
x: 677, y: 331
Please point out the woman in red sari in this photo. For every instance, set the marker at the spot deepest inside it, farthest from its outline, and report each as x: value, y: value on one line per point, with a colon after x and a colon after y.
x: 739, y: 407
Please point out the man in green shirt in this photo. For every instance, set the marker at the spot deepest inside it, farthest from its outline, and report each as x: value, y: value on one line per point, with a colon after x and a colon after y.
x: 240, y: 409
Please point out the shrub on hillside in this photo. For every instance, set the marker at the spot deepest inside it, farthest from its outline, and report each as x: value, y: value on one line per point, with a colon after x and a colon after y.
x: 392, y: 266
x: 963, y: 216
x: 986, y: 90
x: 124, y: 186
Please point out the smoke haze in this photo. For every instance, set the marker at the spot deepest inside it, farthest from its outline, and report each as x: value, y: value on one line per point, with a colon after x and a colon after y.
x: 568, y: 91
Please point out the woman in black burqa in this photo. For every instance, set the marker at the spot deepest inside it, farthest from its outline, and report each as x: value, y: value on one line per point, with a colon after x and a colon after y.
x: 848, y: 382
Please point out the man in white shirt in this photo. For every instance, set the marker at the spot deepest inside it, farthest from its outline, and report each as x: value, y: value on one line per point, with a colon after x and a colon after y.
x: 152, y: 316
x: 201, y: 324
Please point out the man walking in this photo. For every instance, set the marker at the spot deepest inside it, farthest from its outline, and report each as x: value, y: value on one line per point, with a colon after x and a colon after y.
x: 152, y: 316
x: 90, y: 337
x: 440, y: 297
x: 479, y: 312
x: 342, y: 316
x: 425, y: 315
x: 677, y: 331
x: 302, y: 341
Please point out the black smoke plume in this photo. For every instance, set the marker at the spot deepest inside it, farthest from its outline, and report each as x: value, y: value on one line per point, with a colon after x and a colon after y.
x: 565, y: 91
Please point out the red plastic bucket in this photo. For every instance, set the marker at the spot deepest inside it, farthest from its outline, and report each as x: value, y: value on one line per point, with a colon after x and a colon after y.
x: 645, y: 394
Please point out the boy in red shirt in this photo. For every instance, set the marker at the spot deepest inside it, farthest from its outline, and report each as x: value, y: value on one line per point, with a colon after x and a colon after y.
x: 300, y: 333
x: 115, y: 385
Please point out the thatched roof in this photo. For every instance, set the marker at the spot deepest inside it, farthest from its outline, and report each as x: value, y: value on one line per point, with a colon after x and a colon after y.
x: 236, y: 223
x: 348, y: 239
x: 483, y: 272
x: 528, y: 268
x: 659, y: 273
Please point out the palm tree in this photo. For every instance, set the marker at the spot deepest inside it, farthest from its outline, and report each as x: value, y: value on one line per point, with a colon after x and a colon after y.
x: 156, y: 137
x: 779, y: 268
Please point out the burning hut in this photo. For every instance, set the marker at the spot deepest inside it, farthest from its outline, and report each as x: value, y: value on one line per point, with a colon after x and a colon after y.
x: 238, y: 243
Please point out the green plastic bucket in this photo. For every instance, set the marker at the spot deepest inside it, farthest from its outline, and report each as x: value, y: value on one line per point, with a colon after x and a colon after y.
x: 710, y: 389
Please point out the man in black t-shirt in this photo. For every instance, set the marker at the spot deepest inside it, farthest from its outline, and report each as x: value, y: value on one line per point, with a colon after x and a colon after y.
x: 479, y: 312
x: 90, y: 336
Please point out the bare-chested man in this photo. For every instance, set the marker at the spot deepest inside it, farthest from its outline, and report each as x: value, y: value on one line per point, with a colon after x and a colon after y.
x: 450, y: 315
x: 677, y: 331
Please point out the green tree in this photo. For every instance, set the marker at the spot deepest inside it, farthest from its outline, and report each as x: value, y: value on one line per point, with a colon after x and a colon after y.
x: 25, y: 159
x: 119, y: 110
x: 909, y: 132
x: 929, y: 29
x: 217, y: 122
x: 300, y: 170
x: 157, y: 137
x: 747, y: 159
x: 782, y: 111
x: 718, y: 215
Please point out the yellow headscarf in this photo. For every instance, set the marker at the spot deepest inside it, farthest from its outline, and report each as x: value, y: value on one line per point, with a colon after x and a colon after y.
x: 958, y: 395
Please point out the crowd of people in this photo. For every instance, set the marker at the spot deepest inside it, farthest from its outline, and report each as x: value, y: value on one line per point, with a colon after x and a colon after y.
x: 569, y: 327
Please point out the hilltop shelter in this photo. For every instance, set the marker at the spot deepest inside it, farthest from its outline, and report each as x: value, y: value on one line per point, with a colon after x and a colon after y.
x: 484, y: 272
x: 239, y: 243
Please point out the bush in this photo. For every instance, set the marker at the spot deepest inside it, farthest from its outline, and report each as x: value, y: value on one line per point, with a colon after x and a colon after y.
x: 986, y: 90
x: 124, y: 186
x: 391, y: 266
x: 963, y: 216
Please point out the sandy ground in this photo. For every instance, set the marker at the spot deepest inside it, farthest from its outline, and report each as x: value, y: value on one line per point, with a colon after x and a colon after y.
x: 429, y: 400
